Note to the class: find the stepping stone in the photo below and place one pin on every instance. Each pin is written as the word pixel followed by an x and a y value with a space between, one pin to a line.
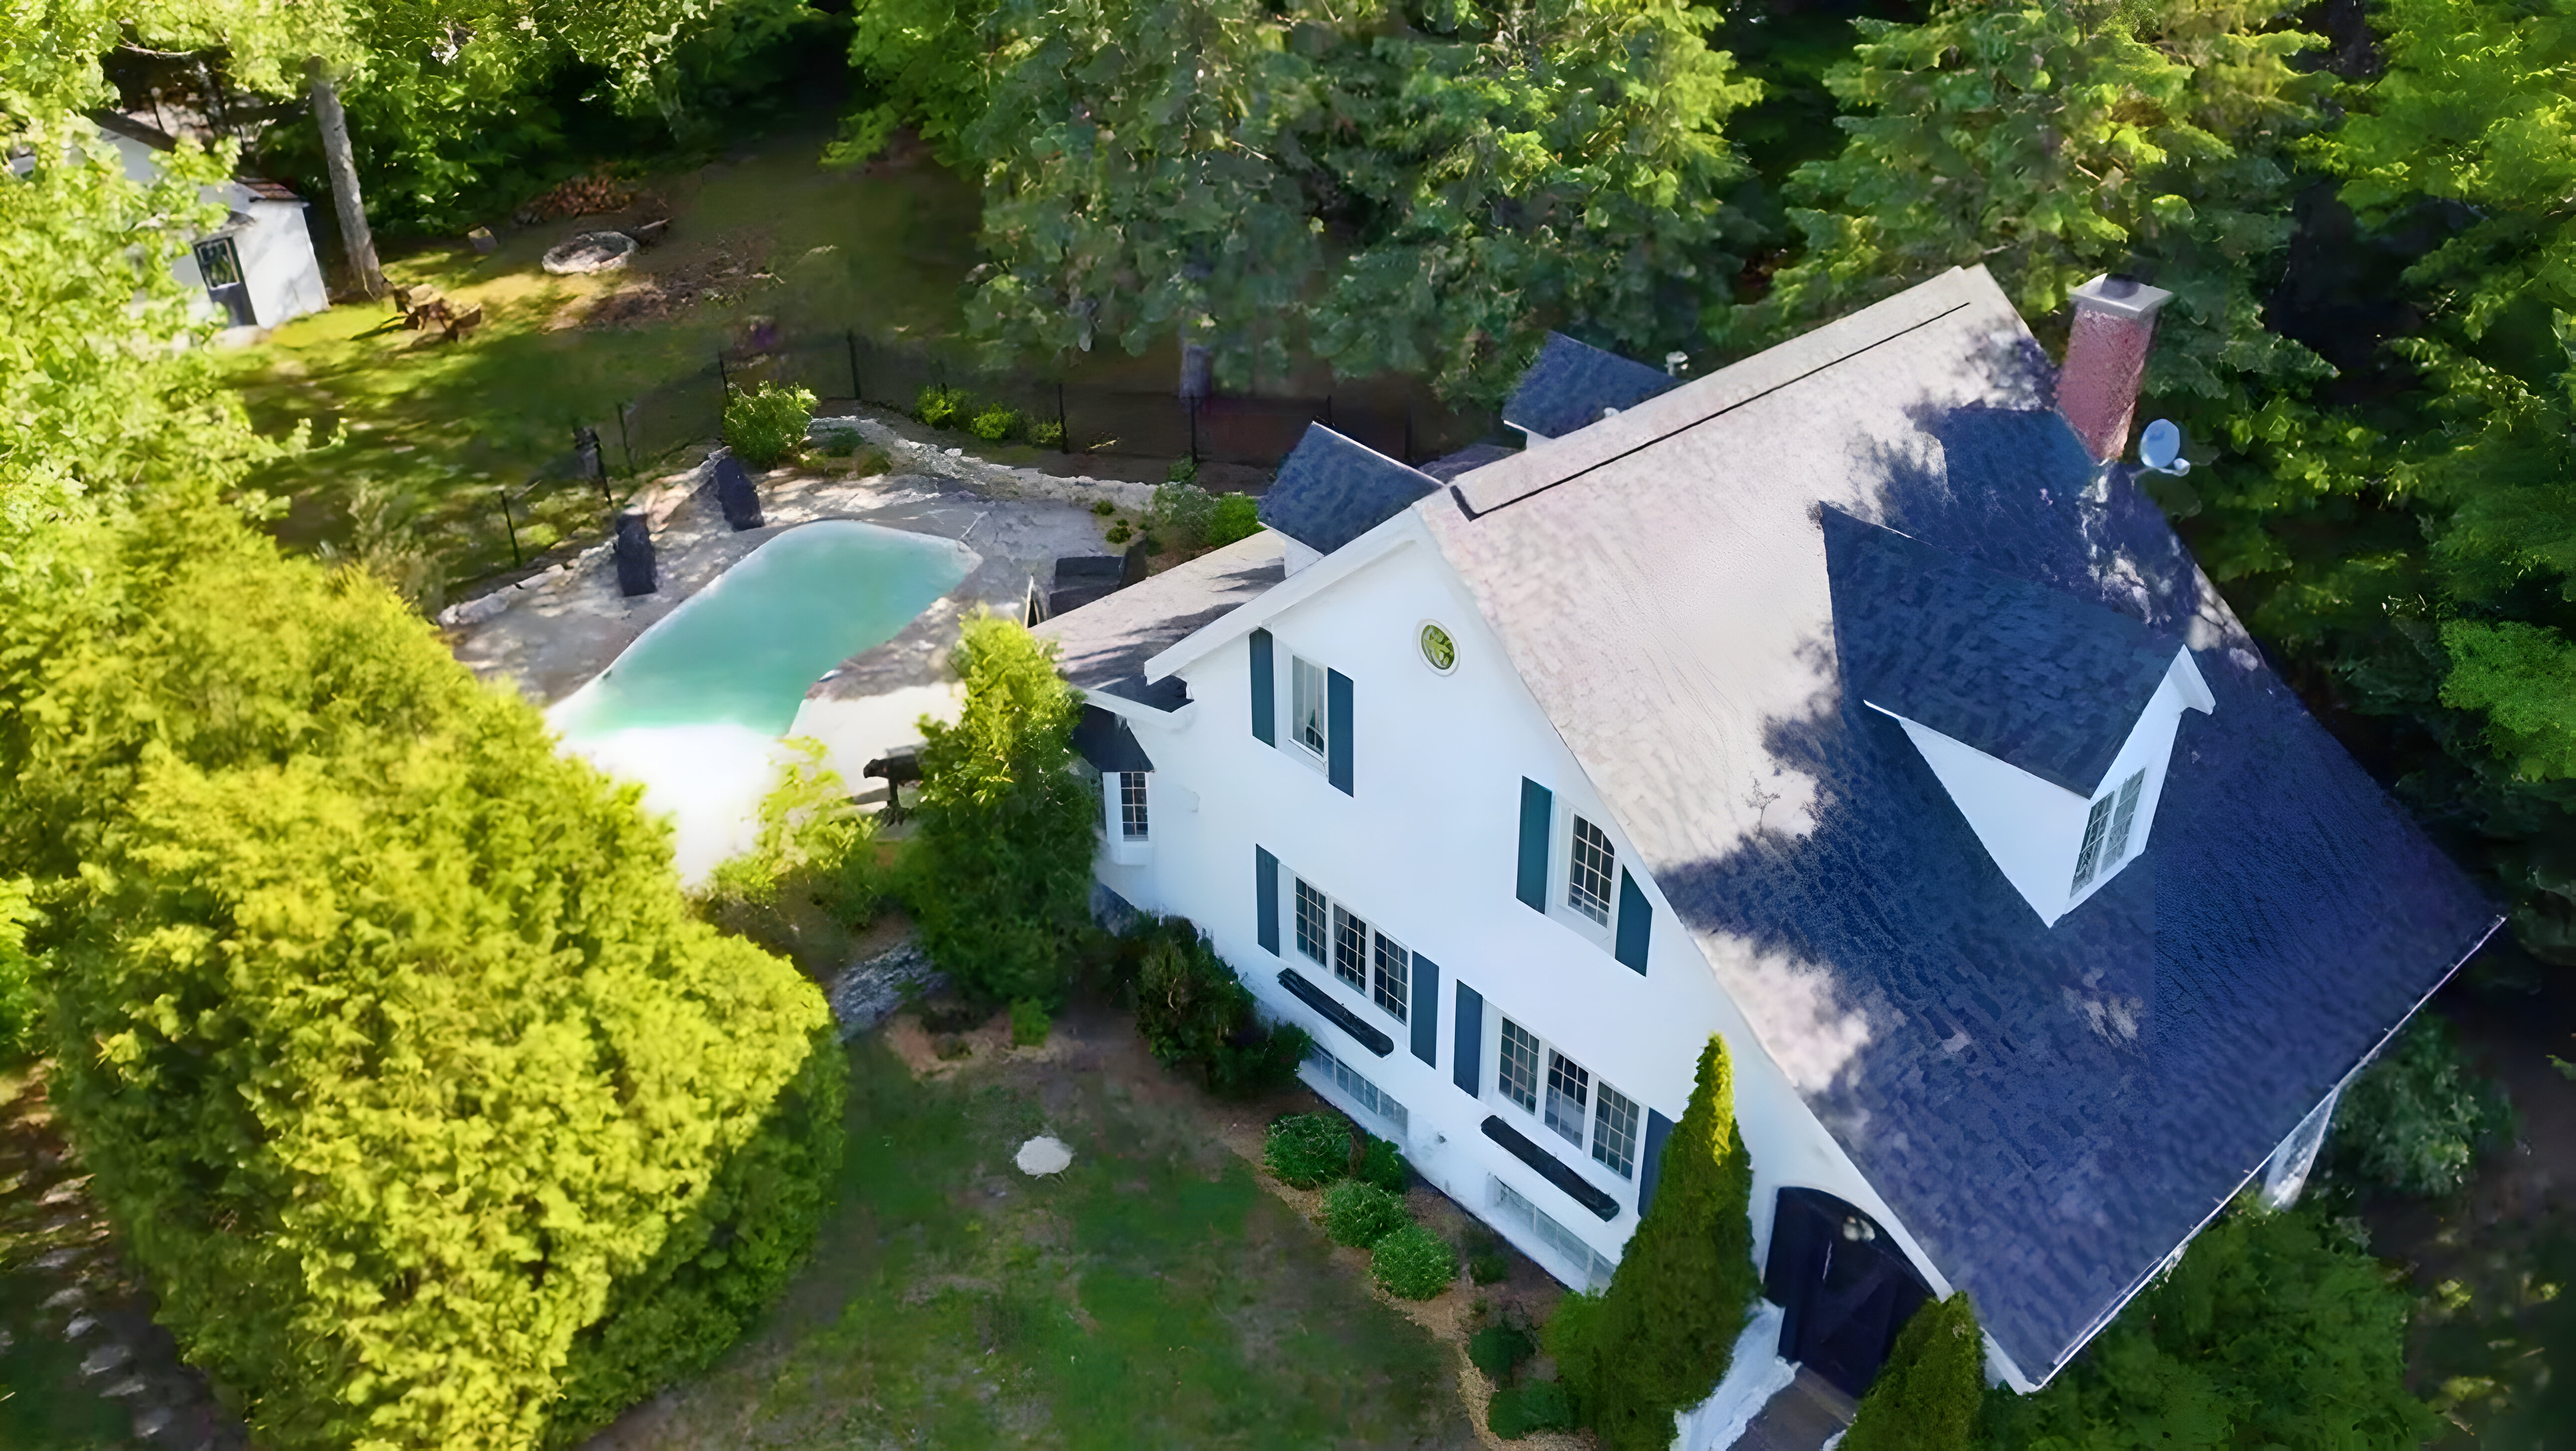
pixel 66 1298
pixel 151 1422
pixel 104 1359
pixel 65 1192
pixel 132 1385
pixel 81 1325
pixel 56 1259
pixel 1043 1155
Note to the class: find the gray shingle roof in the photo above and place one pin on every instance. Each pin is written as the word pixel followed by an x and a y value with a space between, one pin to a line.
pixel 2051 683
pixel 1104 645
pixel 2049 1111
pixel 1331 490
pixel 1569 383
pixel 1474 456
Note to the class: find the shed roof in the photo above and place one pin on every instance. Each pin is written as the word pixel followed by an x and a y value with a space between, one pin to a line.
pixel 1570 383
pixel 2029 675
pixel 1104 645
pixel 2049 1111
pixel 1331 490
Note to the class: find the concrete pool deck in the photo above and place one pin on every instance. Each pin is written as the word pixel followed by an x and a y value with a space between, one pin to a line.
pixel 552 633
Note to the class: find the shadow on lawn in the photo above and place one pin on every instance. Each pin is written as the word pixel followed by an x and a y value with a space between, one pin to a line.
pixel 1152 1295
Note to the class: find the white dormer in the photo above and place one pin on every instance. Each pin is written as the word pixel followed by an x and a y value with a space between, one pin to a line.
pixel 2058 847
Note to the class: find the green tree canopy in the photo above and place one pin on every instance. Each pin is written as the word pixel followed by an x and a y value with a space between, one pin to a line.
pixel 1001 869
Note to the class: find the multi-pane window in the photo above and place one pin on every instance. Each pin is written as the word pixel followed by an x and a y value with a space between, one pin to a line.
pixel 1614 1132
pixel 1569 1093
pixel 1588 881
pixel 1394 974
pixel 1350 949
pixel 1577 1107
pixel 2097 828
pixel 1519 1072
pixel 1314 923
pixel 1306 704
pixel 1366 960
pixel 2106 831
pixel 1132 820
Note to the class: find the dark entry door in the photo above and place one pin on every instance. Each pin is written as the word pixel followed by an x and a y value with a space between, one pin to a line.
pixel 1844 1285
pixel 219 262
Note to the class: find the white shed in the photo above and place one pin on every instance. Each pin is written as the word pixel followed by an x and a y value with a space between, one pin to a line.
pixel 256 269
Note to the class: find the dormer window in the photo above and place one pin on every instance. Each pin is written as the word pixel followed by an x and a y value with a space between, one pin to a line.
pixel 2106 831
pixel 2049 721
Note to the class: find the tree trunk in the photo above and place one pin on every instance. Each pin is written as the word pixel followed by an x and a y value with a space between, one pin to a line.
pixel 355 240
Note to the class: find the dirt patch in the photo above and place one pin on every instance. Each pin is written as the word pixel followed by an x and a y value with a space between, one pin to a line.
pixel 662 288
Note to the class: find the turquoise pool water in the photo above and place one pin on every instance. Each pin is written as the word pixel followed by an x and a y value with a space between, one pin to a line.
pixel 744 650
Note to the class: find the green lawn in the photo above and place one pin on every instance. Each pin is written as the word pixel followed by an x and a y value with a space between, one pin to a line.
pixel 418 428
pixel 1153 1295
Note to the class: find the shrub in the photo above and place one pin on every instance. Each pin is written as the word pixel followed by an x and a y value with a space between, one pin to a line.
pixel 1181 513
pixel 1381 1165
pixel 1309 1150
pixel 999 871
pixel 1103 508
pixel 17 992
pixel 1119 532
pixel 811 876
pixel 2415 1120
pixel 840 443
pixel 995 423
pixel 1413 1263
pixel 1359 1215
pixel 1927 1395
pixel 941 407
pixel 1236 516
pixel 1049 434
pixel 1498 1351
pixel 1029 1022
pixel 2275 1330
pixel 765 426
pixel 1197 1015
pixel 868 461
pixel 1658 1340
pixel 1488 1267
pixel 1540 1405
pixel 1182 471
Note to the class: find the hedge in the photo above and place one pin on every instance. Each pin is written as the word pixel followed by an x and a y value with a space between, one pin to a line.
pixel 1308 1150
pixel 1359 1215
pixel 1928 1393
pixel 1413 1263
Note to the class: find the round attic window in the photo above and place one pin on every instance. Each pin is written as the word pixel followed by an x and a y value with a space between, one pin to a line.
pixel 1438 650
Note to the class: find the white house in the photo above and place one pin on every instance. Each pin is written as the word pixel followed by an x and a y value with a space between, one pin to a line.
pixel 258 268
pixel 1840 703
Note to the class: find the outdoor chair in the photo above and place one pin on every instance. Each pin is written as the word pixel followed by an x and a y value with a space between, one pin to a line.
pixel 736 495
pixel 896 766
pixel 464 322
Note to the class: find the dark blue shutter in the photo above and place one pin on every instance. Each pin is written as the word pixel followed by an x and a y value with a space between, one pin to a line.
pixel 1538 807
pixel 1337 725
pixel 1469 1044
pixel 1265 908
pixel 1426 1010
pixel 1265 686
pixel 1658 1129
pixel 1636 923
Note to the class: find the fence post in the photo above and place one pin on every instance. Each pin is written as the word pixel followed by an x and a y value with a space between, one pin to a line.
pixel 851 336
pixel 624 445
pixel 1063 429
pixel 1328 410
pixel 1194 432
pixel 723 378
pixel 1408 429
pixel 510 524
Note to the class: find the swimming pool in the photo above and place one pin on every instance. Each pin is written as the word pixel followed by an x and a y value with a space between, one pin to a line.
pixel 694 708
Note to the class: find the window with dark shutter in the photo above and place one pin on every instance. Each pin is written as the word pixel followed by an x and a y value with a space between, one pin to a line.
pixel 1467 1049
pixel 1636 924
pixel 1265 686
pixel 1337 761
pixel 1265 900
pixel 1538 806
pixel 1426 1010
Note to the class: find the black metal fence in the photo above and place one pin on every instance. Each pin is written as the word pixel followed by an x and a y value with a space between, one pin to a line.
pixel 1255 430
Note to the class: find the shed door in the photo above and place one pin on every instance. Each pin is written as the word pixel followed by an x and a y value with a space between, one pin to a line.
pixel 1844 1285
pixel 219 262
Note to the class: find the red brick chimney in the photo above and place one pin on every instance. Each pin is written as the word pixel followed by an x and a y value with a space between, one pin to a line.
pixel 2106 354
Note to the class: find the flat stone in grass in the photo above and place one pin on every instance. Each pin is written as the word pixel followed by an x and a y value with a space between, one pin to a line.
pixel 1043 1155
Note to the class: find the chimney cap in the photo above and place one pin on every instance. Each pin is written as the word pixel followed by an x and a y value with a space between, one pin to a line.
pixel 2121 297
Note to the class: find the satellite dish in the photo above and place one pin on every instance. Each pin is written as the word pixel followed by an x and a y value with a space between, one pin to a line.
pixel 2160 448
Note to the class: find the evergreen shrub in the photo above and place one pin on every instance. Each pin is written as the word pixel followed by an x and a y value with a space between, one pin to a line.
pixel 1182 515
pixel 1049 434
pixel 765 426
pixel 1029 1022
pixel 1308 1150
pixel 1658 1339
pixel 1498 1351
pixel 1413 1263
pixel 1538 1405
pixel 840 443
pixel 1197 1015
pixel 1359 1215
pixel 998 872
pixel 1103 508
pixel 1927 1395
pixel 1382 1164
pixel 1235 516
pixel 811 877
pixel 1182 471
pixel 994 424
